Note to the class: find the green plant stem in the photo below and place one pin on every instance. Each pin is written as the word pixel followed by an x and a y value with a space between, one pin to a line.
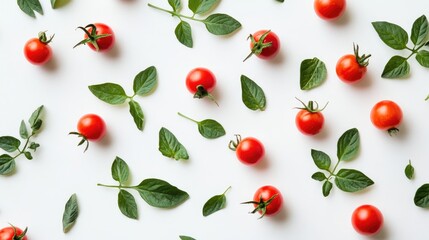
pixel 226 190
pixel 24 148
pixel 175 13
pixel 115 186
pixel 195 121
pixel 332 173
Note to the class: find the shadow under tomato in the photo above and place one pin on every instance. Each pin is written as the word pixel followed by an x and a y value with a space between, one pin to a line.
pixel 106 141
pixel 343 20
pixel 114 52
pixel 383 234
pixel 52 65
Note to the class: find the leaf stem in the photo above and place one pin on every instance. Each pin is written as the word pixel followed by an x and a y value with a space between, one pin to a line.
pixel 332 173
pixel 187 117
pixel 226 190
pixel 24 148
pixel 175 13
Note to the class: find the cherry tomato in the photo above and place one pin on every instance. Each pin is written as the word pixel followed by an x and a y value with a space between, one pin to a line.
pixel 386 115
pixel 201 82
pixel 309 119
pixel 351 68
pixel 329 9
pixel 367 220
pixel 37 51
pixel 264 44
pixel 248 150
pixel 90 127
pixel 267 200
pixel 98 36
pixel 12 233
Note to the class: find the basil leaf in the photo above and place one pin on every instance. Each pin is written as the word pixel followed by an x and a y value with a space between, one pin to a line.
pixel 221 24
pixel 137 114
pixel 186 238
pixel 120 170
pixel 201 6
pixel 397 67
pixel 252 95
pixel 214 204
pixel 321 159
pixel 7 164
pixel 420 30
pixel 127 204
pixel 28 155
pixel 423 58
pixel 170 147
pixel 34 120
pixel 326 188
pixel 391 34
pixel 34 146
pixel 29 6
pixel 111 93
pixel 421 199
pixel 409 171
pixel 23 132
pixel 318 176
pixel 312 73
pixel 71 212
pixel 145 81
pixel 350 180
pixel 184 34
pixel 211 129
pixel 159 193
pixel 9 143
pixel 348 145
pixel 175 4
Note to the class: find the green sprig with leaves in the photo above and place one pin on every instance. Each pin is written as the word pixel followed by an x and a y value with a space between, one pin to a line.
pixel 208 128
pixel 347 180
pixel 12 145
pixel 144 83
pixel 217 24
pixel 155 192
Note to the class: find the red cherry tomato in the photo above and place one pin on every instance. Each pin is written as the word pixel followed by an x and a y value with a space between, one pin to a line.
pixel 90 127
pixel 310 119
pixel 267 200
pixel 265 44
pixel 386 115
pixel 329 9
pixel 37 51
pixel 201 82
pixel 248 150
pixel 352 68
pixel 12 233
pixel 98 36
pixel 367 220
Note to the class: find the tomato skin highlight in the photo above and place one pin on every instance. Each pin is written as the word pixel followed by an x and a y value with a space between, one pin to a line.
pixel 329 9
pixel 250 151
pixel 266 193
pixel 309 123
pixel 386 115
pixel 8 233
pixel 367 220
pixel 37 52
pixel 349 70
pixel 92 127
pixel 200 77
pixel 267 52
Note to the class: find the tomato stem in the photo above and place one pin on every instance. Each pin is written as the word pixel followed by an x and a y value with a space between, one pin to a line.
pixel 362 60
pixel 393 131
pixel 311 107
pixel 44 39
pixel 258 46
pixel 233 144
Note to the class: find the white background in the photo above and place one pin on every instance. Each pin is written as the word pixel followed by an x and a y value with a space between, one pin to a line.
pixel 36 194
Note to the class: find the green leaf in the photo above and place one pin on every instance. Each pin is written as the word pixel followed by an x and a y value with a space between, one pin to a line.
pixel 161 194
pixel 23 132
pixel 252 95
pixel 170 147
pixel 145 81
pixel 421 199
pixel 175 4
pixel 312 73
pixel 326 188
pixel 184 34
pixel 210 129
pixel 33 146
pixel 321 159
pixel 71 212
pixel 318 176
pixel 350 180
pixel 127 204
pixel 9 143
pixel 186 238
pixel 137 114
pixel 28 155
pixel 409 171
pixel 423 58
pixel 120 170
pixel 7 164
pixel 111 93
pixel 348 145
pixel 30 6
pixel 396 67
pixel 214 204
pixel 391 34
pixel 221 24
pixel 34 120
pixel 420 30
pixel 201 6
